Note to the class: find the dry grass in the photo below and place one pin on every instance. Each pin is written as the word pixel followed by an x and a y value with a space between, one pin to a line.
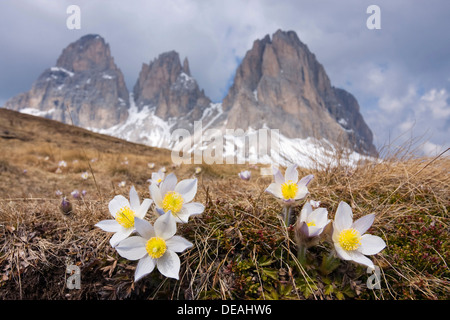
pixel 241 248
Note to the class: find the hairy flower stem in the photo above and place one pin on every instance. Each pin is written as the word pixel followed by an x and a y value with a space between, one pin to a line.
pixel 287 213
pixel 301 254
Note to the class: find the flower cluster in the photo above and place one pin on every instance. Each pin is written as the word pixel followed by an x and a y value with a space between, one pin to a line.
pixel 348 237
pixel 153 245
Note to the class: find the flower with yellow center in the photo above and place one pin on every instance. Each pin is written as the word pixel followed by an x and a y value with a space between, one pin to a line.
pixel 288 188
pixel 173 201
pixel 155 246
pixel 157 177
pixel 125 217
pixel 124 213
pixel 311 223
pixel 176 197
pixel 349 239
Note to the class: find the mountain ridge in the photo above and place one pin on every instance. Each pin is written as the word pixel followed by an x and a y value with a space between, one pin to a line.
pixel 278 85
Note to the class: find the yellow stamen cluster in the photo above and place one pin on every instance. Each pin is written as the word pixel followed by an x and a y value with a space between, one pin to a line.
pixel 156 247
pixel 311 224
pixel 349 239
pixel 173 201
pixel 125 217
pixel 289 190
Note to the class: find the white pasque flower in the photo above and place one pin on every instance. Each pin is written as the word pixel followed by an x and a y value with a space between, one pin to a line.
pixel 314 204
pixel 349 239
pixel 124 213
pixel 288 188
pixel 176 197
pixel 62 163
pixel 155 246
pixel 245 175
pixel 157 177
pixel 85 175
pixel 312 222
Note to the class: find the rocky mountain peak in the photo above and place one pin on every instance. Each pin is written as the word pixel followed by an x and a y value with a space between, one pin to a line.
pixel 281 85
pixel 168 86
pixel 186 68
pixel 85 82
pixel 90 52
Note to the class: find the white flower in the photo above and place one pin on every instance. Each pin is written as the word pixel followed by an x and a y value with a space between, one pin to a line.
pixel 151 165
pixel 124 213
pixel 349 239
pixel 312 222
pixel 314 204
pixel 245 175
pixel 155 246
pixel 157 177
pixel 85 175
pixel 62 163
pixel 288 188
pixel 122 184
pixel 176 197
pixel 198 170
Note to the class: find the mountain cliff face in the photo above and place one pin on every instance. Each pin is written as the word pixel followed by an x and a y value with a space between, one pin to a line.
pixel 85 81
pixel 168 86
pixel 279 85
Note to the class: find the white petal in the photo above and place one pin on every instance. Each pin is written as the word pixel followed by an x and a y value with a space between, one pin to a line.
pixel 278 176
pixel 132 248
pixel 275 190
pixel 182 216
pixel 371 244
pixel 364 223
pixel 320 217
pixel 291 173
pixel 169 264
pixel 187 188
pixel 360 258
pixel 343 254
pixel 155 193
pixel 144 267
pixel 344 217
pixel 109 225
pixel 134 199
pixel 113 207
pixel 314 231
pixel 144 228
pixel 306 210
pixel 169 184
pixel 305 180
pixel 143 208
pixel 165 226
pixel 117 203
pixel 302 192
pixel 178 244
pixel 120 235
pixel 194 208
pixel 335 233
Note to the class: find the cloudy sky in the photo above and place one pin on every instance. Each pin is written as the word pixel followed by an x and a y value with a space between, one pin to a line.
pixel 400 74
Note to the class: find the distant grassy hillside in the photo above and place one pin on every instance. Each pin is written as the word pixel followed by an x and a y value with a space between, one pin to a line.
pixel 241 248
